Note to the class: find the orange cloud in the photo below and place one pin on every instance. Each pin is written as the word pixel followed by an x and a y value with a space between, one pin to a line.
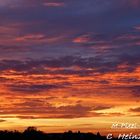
pixel 82 39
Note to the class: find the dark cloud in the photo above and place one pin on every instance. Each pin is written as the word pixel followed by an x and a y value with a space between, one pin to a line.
pixel 100 64
pixel 33 88
pixel 40 109
pixel 105 27
pixel 1 121
pixel 135 109
pixel 102 107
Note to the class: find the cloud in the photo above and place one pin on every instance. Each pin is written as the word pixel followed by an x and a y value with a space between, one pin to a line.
pixel 137 27
pixel 67 64
pixel 135 109
pixel 32 88
pixel 1 121
pixel 102 107
pixel 54 4
pixel 90 39
pixel 40 109
pixel 114 114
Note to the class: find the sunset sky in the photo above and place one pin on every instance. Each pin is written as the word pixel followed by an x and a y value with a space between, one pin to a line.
pixel 69 64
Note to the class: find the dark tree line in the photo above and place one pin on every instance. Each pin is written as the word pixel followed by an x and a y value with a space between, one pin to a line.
pixel 31 133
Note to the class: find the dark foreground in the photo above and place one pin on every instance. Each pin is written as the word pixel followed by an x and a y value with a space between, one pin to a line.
pixel 31 133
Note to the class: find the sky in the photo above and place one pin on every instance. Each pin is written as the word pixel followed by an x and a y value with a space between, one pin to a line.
pixel 69 64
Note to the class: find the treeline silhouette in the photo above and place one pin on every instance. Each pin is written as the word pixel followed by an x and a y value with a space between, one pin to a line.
pixel 31 133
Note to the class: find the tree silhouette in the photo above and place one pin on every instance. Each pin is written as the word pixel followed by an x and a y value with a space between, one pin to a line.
pixel 30 129
pixel 31 133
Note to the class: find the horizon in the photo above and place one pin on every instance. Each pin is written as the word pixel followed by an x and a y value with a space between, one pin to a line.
pixel 113 133
pixel 69 65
